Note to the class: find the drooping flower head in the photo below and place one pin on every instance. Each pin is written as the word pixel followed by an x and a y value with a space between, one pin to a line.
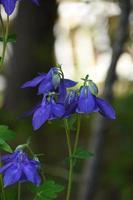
pixel 49 109
pixel 18 167
pixel 71 102
pixel 88 101
pixel 53 88
pixel 9 5
pixel 52 81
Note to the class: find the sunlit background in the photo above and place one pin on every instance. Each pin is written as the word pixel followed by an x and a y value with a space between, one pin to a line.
pixel 83 36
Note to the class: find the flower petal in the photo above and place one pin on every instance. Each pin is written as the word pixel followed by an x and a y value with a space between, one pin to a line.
pixel 40 116
pixel 31 174
pixel 58 110
pixel 105 108
pixel 36 2
pixel 5 167
pixel 45 86
pixel 69 83
pixel 34 82
pixel 62 93
pixel 86 102
pixel 9 6
pixel 12 175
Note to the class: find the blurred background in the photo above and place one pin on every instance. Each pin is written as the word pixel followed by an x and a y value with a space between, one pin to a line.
pixel 92 37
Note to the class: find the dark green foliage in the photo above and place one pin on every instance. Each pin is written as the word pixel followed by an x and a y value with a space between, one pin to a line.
pixel 48 190
pixel 82 154
pixel 11 38
pixel 4 146
pixel 5 135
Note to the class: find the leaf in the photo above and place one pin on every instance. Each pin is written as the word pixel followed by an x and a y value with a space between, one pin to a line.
pixel 1 39
pixel 71 122
pixel 12 38
pixel 48 190
pixel 4 146
pixel 82 154
pixel 6 134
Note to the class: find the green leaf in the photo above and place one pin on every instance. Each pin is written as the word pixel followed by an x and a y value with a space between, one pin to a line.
pixel 1 39
pixel 72 122
pixel 4 146
pixel 48 190
pixel 6 134
pixel 82 154
pixel 12 38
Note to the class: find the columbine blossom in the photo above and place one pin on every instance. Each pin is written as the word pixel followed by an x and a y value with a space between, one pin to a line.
pixel 48 109
pixel 53 86
pixel 9 5
pixel 71 102
pixel 89 103
pixel 18 168
pixel 52 81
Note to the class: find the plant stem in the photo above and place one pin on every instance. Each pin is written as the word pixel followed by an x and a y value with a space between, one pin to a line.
pixel 2 24
pixel 1 182
pixel 71 161
pixel 5 37
pixel 77 134
pixel 19 190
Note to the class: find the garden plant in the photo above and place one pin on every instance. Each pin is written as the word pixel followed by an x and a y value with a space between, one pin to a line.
pixel 62 99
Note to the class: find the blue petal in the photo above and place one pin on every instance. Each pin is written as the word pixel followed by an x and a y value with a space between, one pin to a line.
pixel 12 175
pixel 86 103
pixel 36 2
pixel 105 108
pixel 9 6
pixel 31 174
pixel 45 86
pixel 34 82
pixel 69 83
pixel 58 110
pixel 5 167
pixel 62 93
pixel 40 116
pixel 70 109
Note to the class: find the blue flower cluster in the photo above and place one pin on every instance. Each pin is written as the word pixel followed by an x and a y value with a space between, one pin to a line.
pixel 9 5
pixel 19 168
pixel 59 102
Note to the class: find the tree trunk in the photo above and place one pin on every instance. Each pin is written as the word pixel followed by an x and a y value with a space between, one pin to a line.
pixel 34 49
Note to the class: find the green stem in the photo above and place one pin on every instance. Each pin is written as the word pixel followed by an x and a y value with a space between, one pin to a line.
pixel 71 161
pixel 19 190
pixel 5 37
pixel 77 134
pixel 1 182
pixel 2 24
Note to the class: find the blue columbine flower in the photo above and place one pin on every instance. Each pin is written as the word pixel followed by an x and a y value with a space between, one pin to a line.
pixel 49 85
pixel 9 5
pixel 71 102
pixel 48 109
pixel 52 81
pixel 89 103
pixel 18 168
